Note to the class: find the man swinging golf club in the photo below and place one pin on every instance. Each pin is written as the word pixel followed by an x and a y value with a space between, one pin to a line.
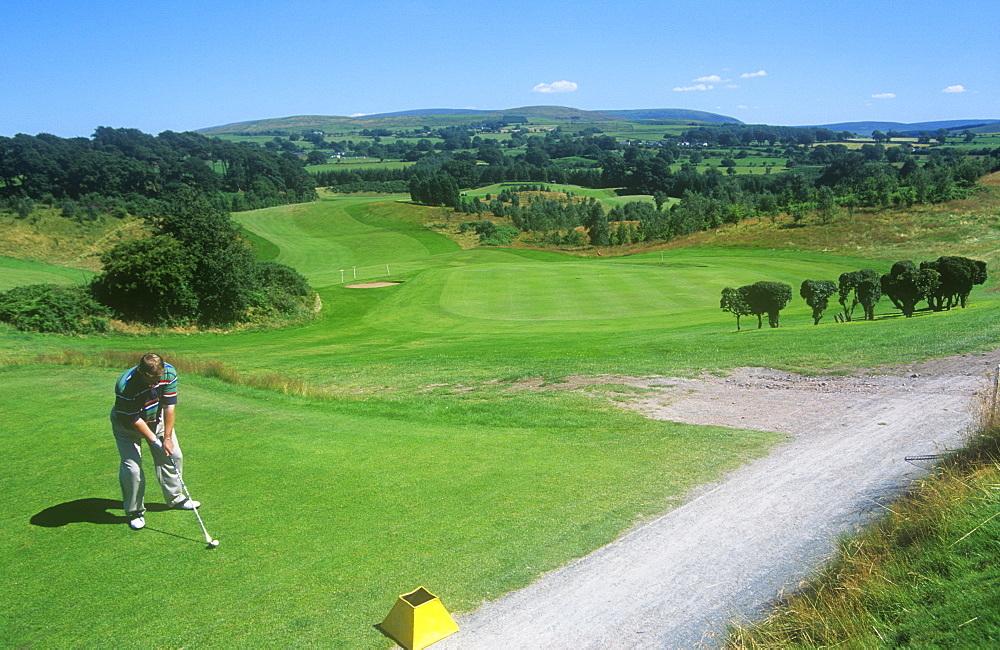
pixel 145 398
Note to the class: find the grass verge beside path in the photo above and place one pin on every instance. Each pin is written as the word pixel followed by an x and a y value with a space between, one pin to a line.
pixel 926 576
pixel 325 510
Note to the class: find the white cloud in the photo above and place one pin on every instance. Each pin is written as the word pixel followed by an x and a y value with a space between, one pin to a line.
pixel 958 88
pixel 683 89
pixel 884 96
pixel 732 86
pixel 555 87
pixel 712 78
pixel 748 75
pixel 359 114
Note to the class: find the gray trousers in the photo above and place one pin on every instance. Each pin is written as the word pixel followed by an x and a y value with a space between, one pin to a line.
pixel 131 476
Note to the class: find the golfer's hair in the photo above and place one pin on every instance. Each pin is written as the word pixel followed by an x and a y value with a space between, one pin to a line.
pixel 151 365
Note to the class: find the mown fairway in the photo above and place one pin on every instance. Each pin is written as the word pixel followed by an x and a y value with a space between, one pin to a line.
pixel 14 273
pixel 417 466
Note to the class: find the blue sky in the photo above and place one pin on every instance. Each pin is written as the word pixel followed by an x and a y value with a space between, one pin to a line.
pixel 68 66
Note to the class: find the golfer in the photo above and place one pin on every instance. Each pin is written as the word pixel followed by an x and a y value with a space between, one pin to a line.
pixel 145 397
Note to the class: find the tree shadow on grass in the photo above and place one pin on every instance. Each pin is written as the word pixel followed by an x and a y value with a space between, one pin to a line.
pixel 85 511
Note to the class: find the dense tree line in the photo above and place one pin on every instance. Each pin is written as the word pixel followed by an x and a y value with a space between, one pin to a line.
pixel 463 168
pixel 137 169
pixel 825 177
pixel 711 199
pixel 944 283
pixel 731 135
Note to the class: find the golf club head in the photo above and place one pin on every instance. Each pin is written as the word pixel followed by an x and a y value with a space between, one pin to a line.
pixel 212 544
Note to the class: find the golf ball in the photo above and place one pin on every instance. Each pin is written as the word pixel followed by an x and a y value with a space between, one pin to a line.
pixel 214 543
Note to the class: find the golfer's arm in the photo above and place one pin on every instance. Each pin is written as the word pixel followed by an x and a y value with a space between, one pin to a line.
pixel 144 430
pixel 168 421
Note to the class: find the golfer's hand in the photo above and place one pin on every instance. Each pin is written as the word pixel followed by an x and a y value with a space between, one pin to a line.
pixel 168 446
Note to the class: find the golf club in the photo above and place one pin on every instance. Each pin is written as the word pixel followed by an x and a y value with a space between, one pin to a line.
pixel 212 543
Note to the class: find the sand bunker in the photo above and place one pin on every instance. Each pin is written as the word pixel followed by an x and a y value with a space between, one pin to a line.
pixel 371 285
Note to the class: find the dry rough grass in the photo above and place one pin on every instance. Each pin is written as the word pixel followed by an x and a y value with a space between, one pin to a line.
pixel 59 241
pixel 839 606
pixel 968 227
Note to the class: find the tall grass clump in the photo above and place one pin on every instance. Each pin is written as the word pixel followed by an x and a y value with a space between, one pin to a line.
pixel 120 359
pixel 925 575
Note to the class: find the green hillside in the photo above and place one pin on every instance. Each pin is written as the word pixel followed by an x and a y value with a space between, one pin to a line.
pixel 435 119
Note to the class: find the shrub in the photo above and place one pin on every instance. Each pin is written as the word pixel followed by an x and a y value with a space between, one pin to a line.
pixel 490 233
pixel 53 308
pixel 282 291
pixel 499 236
pixel 149 281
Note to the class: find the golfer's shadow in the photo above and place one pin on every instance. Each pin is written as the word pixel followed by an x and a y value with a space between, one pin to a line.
pixel 86 511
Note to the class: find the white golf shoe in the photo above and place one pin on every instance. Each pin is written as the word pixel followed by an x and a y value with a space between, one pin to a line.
pixel 186 504
pixel 137 523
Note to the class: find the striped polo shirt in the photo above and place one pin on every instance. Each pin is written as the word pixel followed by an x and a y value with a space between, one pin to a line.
pixel 136 400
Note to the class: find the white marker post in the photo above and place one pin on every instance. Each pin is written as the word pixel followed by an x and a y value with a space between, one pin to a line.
pixel 341 276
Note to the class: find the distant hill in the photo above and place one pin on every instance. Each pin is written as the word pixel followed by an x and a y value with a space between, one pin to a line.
pixel 440 117
pixel 673 114
pixel 428 111
pixel 436 117
pixel 866 128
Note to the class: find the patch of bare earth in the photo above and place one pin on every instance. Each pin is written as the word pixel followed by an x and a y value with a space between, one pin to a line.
pixel 734 547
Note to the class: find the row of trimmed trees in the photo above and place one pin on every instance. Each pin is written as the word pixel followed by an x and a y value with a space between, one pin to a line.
pixel 944 283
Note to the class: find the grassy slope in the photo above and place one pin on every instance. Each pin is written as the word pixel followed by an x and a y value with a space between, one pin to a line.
pixel 420 468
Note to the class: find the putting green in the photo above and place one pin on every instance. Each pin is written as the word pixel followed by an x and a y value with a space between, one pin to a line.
pixel 522 295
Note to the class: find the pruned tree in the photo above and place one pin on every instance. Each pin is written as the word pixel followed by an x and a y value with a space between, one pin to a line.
pixel 767 298
pixel 817 295
pixel 869 291
pixel 906 285
pixel 849 296
pixel 735 302
pixel 958 276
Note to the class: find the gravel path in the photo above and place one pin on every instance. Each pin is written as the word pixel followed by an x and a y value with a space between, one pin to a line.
pixel 736 546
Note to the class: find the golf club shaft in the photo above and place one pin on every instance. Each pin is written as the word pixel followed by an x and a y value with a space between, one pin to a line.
pixel 208 538
pixel 180 479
